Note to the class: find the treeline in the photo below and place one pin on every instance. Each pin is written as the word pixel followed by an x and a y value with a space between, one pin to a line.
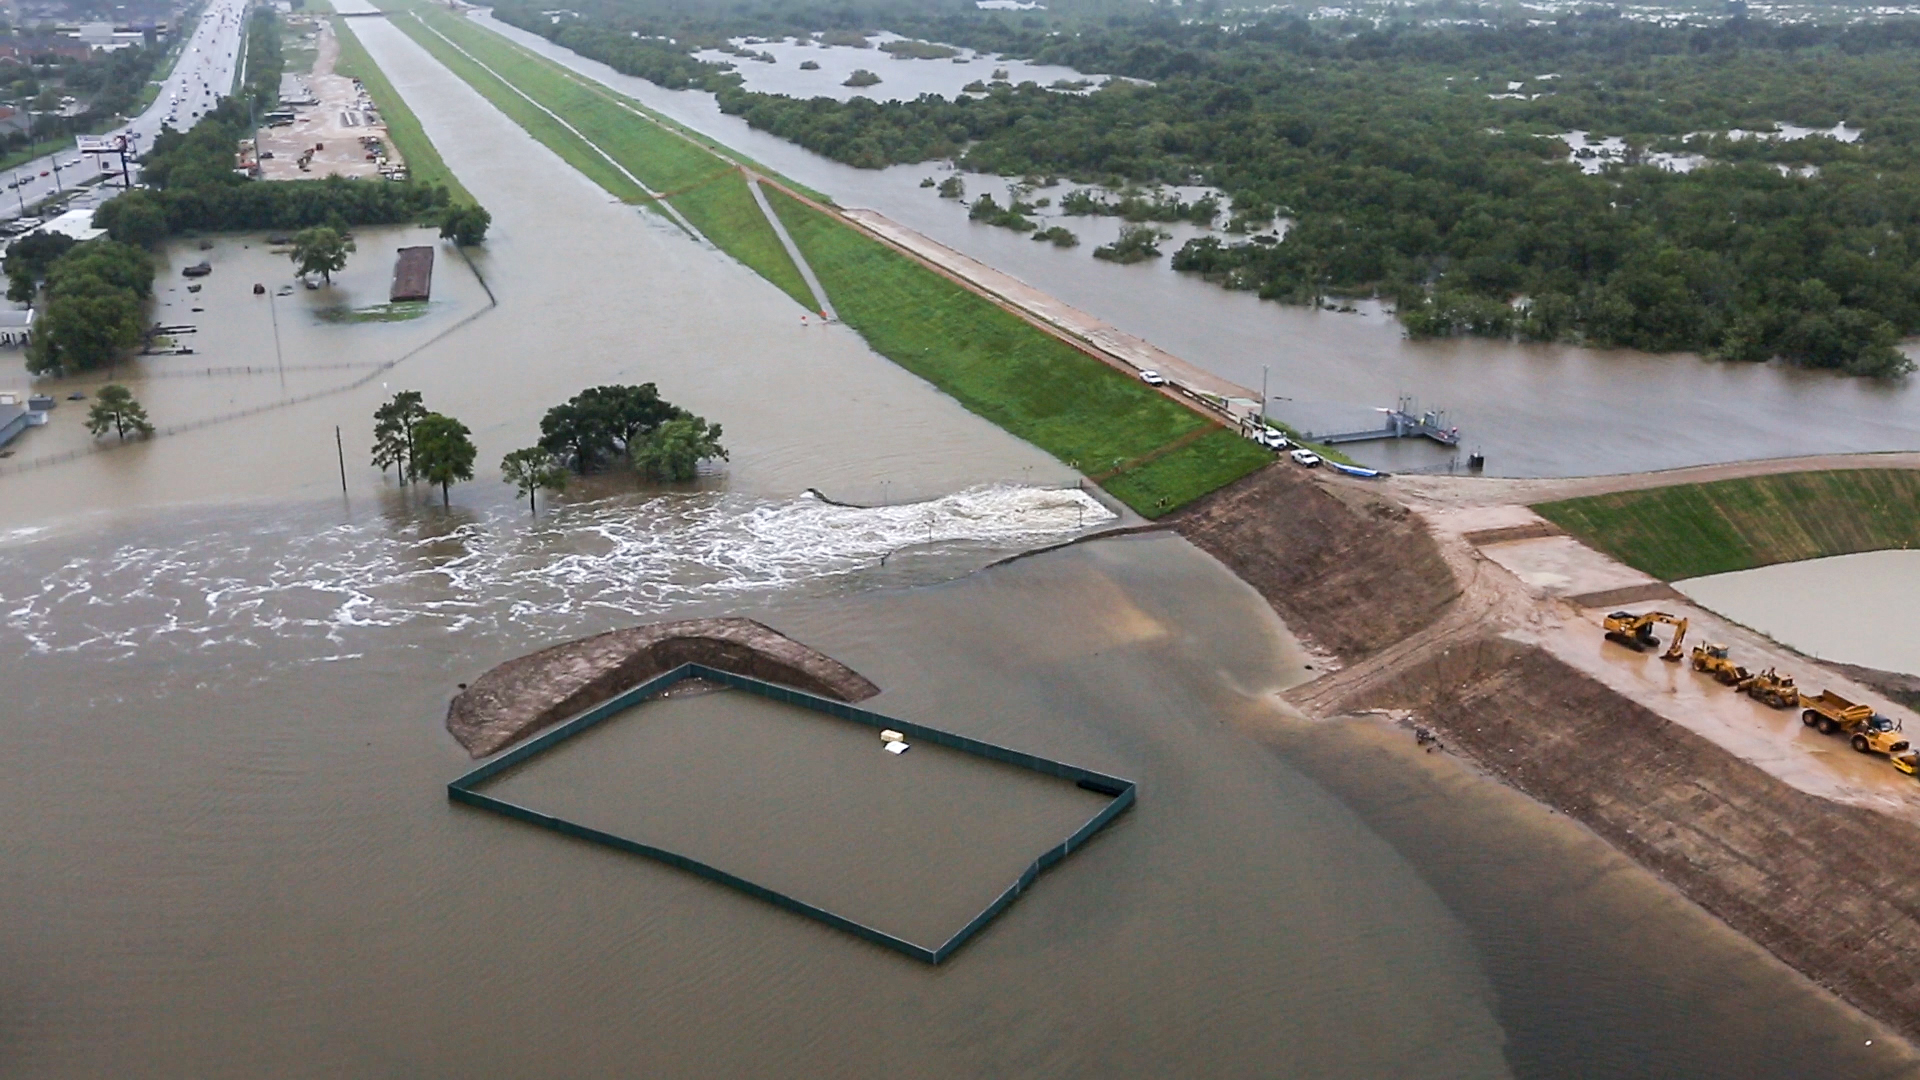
pixel 95 299
pixel 1419 162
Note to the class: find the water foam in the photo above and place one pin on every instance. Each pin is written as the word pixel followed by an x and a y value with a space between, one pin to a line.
pixel 280 581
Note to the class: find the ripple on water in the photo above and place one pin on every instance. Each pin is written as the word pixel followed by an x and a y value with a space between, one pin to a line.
pixel 229 587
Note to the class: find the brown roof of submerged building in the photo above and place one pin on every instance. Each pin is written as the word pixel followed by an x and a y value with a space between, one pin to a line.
pixel 412 274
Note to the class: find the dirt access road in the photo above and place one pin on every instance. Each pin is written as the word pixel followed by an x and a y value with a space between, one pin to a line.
pixel 343 117
pixel 1463 491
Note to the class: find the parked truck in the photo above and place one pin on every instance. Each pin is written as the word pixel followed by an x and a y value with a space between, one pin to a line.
pixel 1868 731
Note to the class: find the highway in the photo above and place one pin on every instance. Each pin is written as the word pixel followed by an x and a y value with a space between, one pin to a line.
pixel 201 76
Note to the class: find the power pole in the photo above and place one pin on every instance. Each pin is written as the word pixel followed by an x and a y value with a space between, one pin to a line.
pixel 1263 396
pixel 340 449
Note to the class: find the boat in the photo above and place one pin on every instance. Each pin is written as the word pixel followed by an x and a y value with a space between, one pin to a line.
pixel 1353 470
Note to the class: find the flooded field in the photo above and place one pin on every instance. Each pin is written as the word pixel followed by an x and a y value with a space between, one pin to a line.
pixel 230 852
pixel 1856 609
pixel 901 78
pixel 1534 410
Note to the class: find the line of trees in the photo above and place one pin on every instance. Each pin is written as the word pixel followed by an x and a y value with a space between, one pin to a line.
pixel 596 429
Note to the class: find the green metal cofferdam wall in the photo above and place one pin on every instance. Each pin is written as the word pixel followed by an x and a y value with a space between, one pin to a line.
pixel 1119 791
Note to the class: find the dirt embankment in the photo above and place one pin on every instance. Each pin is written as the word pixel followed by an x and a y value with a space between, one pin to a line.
pixel 1832 890
pixel 524 695
pixel 1348 569
pixel 1829 889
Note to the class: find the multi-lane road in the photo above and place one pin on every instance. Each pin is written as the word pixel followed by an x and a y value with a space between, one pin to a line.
pixel 202 75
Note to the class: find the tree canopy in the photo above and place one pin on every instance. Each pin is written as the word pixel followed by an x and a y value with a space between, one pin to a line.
pixel 675 449
pixel 95 308
pixel 532 469
pixel 320 250
pixel 597 425
pixel 465 224
pixel 114 409
pixel 443 452
pixel 393 434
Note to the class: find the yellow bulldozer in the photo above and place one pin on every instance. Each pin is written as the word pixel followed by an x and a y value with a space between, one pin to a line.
pixel 1771 687
pixel 1713 660
pixel 1636 632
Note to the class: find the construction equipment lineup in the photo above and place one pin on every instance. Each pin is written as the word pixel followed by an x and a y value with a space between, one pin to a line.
pixel 1867 731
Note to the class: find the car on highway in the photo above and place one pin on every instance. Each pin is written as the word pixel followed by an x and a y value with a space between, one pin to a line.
pixel 1305 457
pixel 1152 378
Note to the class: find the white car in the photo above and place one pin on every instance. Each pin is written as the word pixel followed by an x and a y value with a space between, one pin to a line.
pixel 1153 378
pixel 1305 457
pixel 1270 438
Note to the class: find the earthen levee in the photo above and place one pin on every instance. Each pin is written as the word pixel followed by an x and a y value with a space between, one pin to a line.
pixel 524 695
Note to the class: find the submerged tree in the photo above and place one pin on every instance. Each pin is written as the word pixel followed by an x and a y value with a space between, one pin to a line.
pixel 531 469
pixel 675 449
pixel 443 452
pixel 465 225
pixel 320 250
pixel 597 424
pixel 393 433
pixel 114 408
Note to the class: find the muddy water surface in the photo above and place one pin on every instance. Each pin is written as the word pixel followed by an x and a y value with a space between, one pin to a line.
pixel 1543 410
pixel 1857 609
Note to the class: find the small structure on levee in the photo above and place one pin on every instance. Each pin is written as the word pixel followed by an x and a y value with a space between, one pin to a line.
pixel 1401 423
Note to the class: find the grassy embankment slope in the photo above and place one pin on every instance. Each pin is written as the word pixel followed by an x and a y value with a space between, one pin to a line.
pixel 712 195
pixel 1692 530
pixel 423 161
pixel 1149 451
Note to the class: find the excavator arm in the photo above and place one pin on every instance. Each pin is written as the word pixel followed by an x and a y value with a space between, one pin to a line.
pixel 1635 631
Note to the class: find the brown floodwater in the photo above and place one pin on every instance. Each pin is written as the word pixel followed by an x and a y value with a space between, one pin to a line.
pixel 1534 410
pixel 229 850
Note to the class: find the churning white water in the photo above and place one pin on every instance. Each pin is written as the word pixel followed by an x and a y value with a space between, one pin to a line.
pixel 217 586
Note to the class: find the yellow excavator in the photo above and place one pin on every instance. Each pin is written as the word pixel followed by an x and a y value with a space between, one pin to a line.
pixel 1713 660
pixel 1636 632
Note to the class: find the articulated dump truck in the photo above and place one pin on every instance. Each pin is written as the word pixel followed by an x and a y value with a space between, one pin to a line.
pixel 1868 731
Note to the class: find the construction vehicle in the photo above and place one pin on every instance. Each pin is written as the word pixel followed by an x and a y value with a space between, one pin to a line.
pixel 1713 660
pixel 1636 632
pixel 1771 687
pixel 1907 761
pixel 1868 730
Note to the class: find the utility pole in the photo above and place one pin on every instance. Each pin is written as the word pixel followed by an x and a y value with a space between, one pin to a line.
pixel 1263 396
pixel 340 449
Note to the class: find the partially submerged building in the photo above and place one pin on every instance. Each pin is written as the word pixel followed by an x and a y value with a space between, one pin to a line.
pixel 412 274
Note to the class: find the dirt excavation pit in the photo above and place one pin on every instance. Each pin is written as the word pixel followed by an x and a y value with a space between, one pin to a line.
pixel 344 125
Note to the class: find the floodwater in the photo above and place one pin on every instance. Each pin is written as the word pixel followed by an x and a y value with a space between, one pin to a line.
pixel 230 853
pixel 1856 609
pixel 1533 410
pixel 813 806
pixel 901 78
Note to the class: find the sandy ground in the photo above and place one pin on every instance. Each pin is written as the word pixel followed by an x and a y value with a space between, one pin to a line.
pixel 1550 590
pixel 343 117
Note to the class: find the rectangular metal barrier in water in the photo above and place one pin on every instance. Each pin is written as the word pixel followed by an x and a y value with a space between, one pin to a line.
pixel 1119 791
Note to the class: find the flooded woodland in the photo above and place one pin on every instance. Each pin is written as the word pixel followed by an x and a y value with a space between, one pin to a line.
pixel 230 852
